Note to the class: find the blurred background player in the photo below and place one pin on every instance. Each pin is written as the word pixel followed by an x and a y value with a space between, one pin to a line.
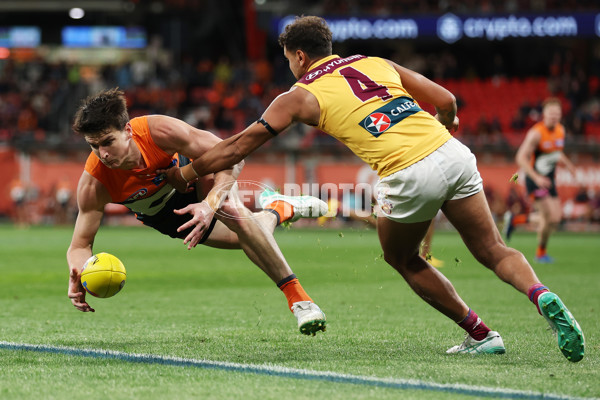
pixel 18 195
pixel 367 103
pixel 538 157
pixel 63 195
pixel 122 169
pixel 426 247
pixel 371 220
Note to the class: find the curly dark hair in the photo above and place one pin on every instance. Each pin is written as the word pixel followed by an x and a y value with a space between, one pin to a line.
pixel 102 113
pixel 309 34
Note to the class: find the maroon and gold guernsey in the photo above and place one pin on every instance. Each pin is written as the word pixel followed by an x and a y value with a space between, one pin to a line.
pixel 364 105
pixel 140 190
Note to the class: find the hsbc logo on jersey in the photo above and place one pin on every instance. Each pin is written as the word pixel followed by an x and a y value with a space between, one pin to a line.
pixel 389 115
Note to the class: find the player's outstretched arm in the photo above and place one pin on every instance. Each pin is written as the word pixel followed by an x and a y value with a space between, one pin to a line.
pixel 91 199
pixel 424 89
pixel 294 105
pixel 175 136
pixel 222 156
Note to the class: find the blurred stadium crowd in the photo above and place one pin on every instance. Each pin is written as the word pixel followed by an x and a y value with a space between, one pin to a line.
pixel 38 99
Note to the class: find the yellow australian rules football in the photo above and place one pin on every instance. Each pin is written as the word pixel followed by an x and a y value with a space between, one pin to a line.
pixel 103 275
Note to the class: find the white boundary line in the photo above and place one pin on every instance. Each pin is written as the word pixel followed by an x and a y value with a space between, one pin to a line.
pixel 294 373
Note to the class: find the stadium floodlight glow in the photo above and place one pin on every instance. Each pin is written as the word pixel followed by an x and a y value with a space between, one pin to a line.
pixel 76 13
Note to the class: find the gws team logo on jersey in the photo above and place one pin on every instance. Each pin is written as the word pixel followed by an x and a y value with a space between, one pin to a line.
pixel 558 143
pixel 389 115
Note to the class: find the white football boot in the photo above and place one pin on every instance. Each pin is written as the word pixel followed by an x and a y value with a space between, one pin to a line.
pixel 304 206
pixel 310 317
pixel 491 344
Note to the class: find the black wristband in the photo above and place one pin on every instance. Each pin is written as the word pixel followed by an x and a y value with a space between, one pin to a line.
pixel 266 125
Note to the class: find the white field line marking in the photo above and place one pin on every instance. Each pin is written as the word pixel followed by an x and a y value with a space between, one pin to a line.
pixel 295 373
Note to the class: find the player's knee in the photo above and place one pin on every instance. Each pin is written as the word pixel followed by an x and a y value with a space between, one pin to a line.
pixel 401 262
pixel 491 254
pixel 554 219
pixel 234 216
pixel 495 255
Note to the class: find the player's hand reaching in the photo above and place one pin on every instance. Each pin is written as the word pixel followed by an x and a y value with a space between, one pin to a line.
pixel 77 293
pixel 175 179
pixel 202 215
pixel 452 126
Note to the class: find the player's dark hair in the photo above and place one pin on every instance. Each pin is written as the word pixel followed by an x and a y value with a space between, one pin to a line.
pixel 102 113
pixel 309 34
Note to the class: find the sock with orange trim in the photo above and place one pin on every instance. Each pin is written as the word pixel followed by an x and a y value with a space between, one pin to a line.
pixel 293 290
pixel 541 251
pixel 520 219
pixel 282 210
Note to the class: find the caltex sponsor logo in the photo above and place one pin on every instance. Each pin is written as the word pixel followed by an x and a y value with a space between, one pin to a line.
pixel 377 123
pixel 388 115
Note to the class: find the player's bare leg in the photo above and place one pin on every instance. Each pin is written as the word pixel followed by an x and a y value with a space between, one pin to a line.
pixel 473 220
pixel 400 243
pixel 549 218
pixel 254 235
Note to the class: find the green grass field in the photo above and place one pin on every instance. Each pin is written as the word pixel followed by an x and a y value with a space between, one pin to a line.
pixel 214 305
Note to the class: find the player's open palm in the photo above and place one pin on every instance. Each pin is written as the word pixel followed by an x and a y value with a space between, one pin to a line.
pixel 202 215
pixel 77 292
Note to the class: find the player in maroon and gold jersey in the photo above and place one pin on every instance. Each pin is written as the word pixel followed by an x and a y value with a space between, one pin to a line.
pixel 371 105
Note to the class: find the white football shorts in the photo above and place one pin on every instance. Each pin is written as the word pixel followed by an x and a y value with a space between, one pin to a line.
pixel 417 192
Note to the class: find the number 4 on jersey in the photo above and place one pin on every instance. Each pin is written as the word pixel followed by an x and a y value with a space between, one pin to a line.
pixel 364 87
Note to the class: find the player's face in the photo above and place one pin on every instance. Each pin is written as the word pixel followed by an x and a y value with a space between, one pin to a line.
pixel 552 114
pixel 112 148
pixel 294 62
